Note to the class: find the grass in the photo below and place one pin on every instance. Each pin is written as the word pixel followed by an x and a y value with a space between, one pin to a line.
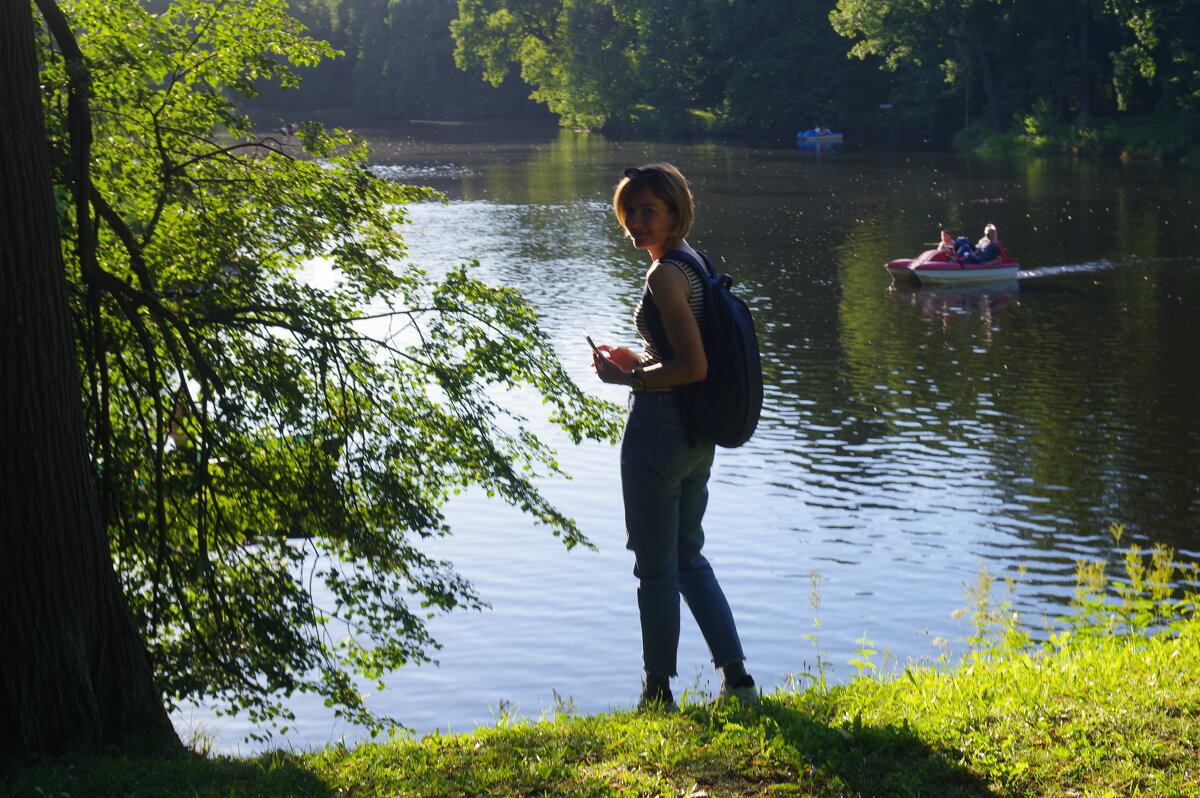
pixel 1130 137
pixel 1107 705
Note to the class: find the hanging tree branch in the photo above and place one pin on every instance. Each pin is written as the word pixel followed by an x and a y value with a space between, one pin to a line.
pixel 192 261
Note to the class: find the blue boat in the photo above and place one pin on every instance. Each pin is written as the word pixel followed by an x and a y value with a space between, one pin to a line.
pixel 818 134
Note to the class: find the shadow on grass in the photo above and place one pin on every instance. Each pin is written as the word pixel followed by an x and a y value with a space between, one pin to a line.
pixel 864 760
pixel 191 776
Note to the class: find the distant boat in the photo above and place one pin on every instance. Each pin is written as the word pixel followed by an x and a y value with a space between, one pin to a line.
pixel 934 267
pixel 818 134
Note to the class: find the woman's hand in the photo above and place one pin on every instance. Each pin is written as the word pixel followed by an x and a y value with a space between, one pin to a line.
pixel 624 357
pixel 610 364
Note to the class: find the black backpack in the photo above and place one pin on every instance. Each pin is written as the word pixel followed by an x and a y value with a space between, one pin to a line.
pixel 725 406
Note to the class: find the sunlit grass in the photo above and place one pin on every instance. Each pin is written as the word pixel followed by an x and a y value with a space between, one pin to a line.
pixel 1106 703
pixel 1041 132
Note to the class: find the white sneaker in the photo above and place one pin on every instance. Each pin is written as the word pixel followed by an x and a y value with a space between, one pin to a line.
pixel 747 694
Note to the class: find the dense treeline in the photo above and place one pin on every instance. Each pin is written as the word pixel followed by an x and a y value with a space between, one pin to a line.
pixel 767 65
pixel 397 63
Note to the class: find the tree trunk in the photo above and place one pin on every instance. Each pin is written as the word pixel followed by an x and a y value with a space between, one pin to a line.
pixel 74 675
pixel 976 25
pixel 990 95
pixel 1084 115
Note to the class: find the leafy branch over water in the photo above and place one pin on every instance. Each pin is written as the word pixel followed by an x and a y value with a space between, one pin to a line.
pixel 271 453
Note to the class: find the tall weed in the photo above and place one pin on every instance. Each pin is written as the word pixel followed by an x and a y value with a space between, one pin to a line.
pixel 1149 592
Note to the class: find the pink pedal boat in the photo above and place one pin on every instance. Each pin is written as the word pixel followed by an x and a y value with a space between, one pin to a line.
pixel 936 267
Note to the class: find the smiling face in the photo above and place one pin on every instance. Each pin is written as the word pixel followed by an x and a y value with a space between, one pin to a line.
pixel 649 221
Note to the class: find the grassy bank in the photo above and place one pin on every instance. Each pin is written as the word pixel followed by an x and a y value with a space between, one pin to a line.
pixel 1104 707
pixel 1138 137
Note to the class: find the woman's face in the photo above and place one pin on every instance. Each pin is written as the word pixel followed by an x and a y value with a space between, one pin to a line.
pixel 946 239
pixel 648 221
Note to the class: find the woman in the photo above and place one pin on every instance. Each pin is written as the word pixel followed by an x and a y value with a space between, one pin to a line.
pixel 947 244
pixel 986 250
pixel 664 479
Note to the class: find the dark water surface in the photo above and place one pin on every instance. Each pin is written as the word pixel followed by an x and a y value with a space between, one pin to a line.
pixel 909 439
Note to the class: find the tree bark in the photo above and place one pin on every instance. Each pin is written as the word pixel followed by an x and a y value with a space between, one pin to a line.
pixel 74 674
pixel 976 25
pixel 990 94
pixel 1084 115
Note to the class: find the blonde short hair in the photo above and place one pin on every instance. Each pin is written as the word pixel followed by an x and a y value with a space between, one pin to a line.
pixel 665 182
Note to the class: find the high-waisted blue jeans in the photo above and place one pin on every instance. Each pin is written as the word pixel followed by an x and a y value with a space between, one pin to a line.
pixel 664 482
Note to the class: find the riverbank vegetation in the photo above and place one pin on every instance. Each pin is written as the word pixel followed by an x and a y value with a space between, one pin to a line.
pixel 1059 76
pixel 1138 137
pixel 1105 704
pixel 248 407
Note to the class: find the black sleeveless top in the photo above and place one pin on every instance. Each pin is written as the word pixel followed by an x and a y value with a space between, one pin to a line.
pixel 646 317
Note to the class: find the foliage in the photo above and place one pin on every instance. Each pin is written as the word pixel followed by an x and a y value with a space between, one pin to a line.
pixel 279 404
pixel 1153 593
pixel 1112 712
pixel 768 66
pixel 397 62
pixel 643 65
pixel 1110 704
pixel 960 39
pixel 1163 45
pixel 1111 716
pixel 576 55
pixel 1076 56
pixel 782 63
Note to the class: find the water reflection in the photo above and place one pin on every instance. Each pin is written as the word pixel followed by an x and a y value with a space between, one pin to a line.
pixel 946 306
pixel 819 147
pixel 907 435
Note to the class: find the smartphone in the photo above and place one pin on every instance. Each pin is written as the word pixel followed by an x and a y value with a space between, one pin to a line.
pixel 592 344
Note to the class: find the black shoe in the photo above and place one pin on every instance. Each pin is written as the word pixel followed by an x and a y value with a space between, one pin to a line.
pixel 657 699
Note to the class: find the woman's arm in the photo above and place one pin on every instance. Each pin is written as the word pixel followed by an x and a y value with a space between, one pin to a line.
pixel 671 291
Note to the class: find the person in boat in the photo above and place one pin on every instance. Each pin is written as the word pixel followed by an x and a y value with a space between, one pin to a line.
pixel 986 250
pixel 947 244
pixel 664 476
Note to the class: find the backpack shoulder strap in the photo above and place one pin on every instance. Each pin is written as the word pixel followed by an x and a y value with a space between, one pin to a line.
pixel 705 269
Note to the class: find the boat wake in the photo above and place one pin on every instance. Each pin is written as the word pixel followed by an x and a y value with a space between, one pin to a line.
pixel 1104 264
pixel 1075 268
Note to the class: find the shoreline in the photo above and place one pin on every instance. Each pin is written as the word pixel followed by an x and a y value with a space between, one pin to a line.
pixel 1105 714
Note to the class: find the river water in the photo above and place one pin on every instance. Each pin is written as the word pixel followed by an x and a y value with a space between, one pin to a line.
pixel 910 438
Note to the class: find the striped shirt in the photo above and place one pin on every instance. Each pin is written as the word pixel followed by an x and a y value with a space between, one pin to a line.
pixel 656 346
